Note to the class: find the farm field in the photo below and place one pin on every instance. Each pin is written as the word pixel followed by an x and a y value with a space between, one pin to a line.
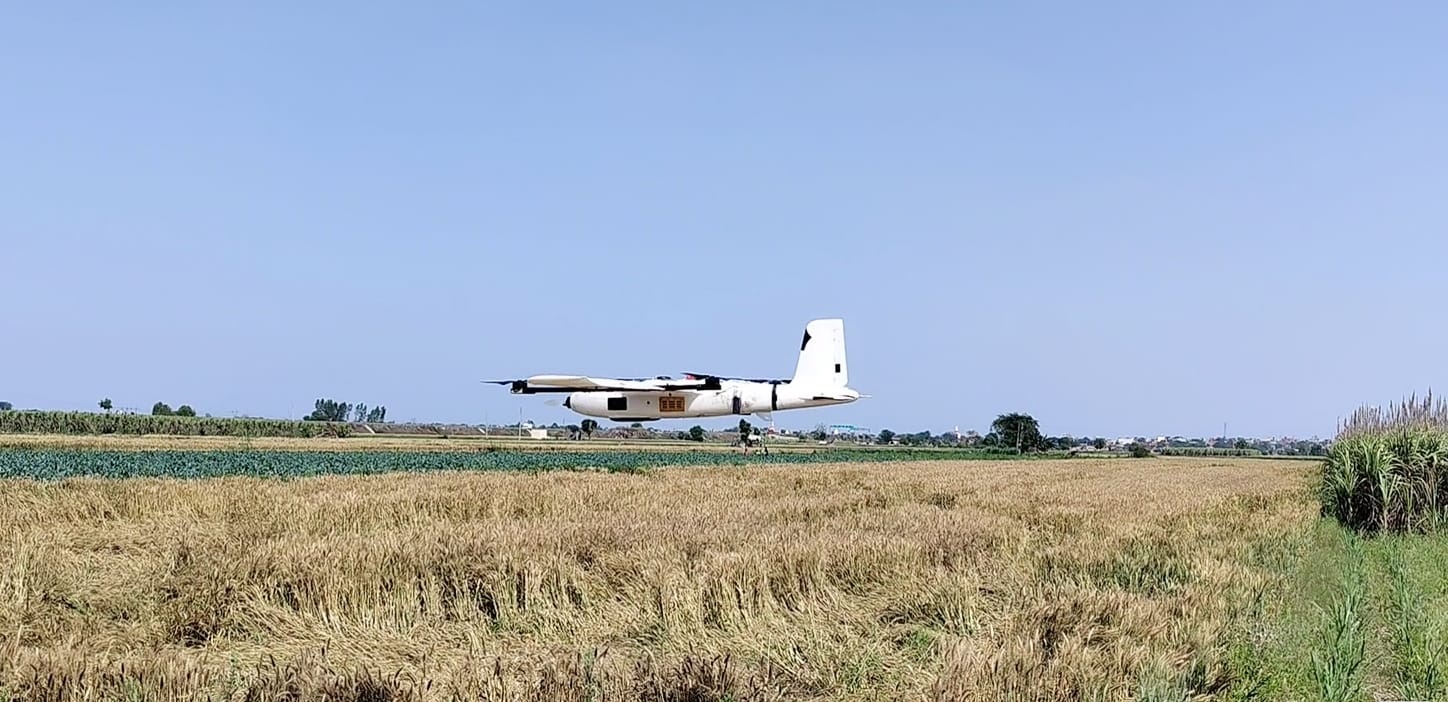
pixel 365 442
pixel 53 464
pixel 1073 579
pixel 65 461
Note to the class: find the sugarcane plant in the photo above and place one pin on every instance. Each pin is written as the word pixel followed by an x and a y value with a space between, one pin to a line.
pixel 1385 470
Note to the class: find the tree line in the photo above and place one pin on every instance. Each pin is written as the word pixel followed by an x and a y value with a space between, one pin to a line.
pixel 323 410
pixel 1016 431
pixel 326 410
pixel 161 409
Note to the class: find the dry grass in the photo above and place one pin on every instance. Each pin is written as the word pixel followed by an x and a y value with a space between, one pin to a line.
pixel 949 580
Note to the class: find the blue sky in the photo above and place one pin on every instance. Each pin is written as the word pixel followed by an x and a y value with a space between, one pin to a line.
pixel 1122 218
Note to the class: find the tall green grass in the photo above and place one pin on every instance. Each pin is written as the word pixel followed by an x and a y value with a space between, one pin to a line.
pixel 1387 471
pixel 1419 655
pixel 35 422
pixel 1339 654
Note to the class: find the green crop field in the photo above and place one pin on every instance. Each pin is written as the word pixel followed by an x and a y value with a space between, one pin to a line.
pixel 50 464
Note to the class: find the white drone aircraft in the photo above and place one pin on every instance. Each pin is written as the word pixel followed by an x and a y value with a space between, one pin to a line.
pixel 820 379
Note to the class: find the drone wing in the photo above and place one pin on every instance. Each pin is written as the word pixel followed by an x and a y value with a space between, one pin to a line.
pixel 583 383
pixel 716 378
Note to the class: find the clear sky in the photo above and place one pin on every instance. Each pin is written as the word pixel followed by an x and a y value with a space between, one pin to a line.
pixel 1122 218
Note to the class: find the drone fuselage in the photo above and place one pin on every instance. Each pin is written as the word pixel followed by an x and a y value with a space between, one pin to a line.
pixel 733 397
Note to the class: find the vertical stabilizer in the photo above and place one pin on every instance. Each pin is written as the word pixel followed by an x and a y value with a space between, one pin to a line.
pixel 822 355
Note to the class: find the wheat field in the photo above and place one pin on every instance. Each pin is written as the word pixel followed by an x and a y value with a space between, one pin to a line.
pixel 1030 580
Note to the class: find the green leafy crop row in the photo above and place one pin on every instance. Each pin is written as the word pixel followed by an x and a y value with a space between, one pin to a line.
pixel 49 464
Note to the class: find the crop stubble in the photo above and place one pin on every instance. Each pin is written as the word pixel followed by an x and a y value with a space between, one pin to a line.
pixel 951 580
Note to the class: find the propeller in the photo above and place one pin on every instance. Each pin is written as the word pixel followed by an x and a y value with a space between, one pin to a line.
pixel 516 386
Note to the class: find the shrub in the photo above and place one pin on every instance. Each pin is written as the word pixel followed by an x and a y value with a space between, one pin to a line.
pixel 1207 451
pixel 1139 450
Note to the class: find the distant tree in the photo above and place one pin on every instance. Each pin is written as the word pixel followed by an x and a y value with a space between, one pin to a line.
pixel 696 433
pixel 636 425
pixel 1018 430
pixel 745 429
pixel 1139 450
pixel 105 404
pixel 919 438
pixel 185 411
pixel 589 426
pixel 329 411
pixel 161 409
pixel 992 440
pixel 6 406
pixel 1240 444
pixel 1099 443
pixel 377 415
pixel 820 433
pixel 359 413
pixel 885 437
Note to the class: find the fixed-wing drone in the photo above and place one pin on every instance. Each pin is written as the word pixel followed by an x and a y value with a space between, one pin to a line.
pixel 820 379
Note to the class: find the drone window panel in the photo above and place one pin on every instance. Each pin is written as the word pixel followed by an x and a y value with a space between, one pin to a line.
pixel 618 404
pixel 671 404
